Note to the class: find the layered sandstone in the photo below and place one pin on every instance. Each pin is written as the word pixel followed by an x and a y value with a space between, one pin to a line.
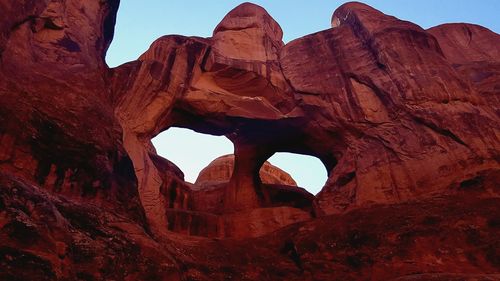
pixel 405 120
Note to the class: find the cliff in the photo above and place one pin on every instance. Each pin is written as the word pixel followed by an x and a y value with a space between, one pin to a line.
pixel 405 120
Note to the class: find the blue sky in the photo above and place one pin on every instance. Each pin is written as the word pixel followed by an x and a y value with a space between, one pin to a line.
pixel 139 23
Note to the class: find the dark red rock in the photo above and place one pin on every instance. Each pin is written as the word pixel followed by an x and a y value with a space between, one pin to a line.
pixel 474 51
pixel 405 120
pixel 463 43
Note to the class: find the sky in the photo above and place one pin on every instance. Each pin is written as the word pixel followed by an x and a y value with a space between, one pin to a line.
pixel 139 23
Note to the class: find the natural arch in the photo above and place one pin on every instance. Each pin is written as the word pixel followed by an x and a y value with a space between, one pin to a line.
pixel 193 84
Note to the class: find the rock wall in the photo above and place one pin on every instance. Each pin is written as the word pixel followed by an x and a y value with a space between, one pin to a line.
pixel 405 120
pixel 391 115
pixel 58 127
pixel 375 98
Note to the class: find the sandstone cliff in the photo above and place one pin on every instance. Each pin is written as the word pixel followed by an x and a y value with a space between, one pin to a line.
pixel 405 120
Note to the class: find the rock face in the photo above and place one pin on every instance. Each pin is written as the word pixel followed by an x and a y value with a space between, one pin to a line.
pixel 473 51
pixel 221 169
pixel 58 127
pixel 405 120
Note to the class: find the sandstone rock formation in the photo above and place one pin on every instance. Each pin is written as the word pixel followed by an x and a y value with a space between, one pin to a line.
pixel 221 169
pixel 405 120
pixel 471 51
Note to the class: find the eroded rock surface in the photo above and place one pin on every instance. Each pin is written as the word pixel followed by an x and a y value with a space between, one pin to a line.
pixel 473 51
pixel 405 120
pixel 221 169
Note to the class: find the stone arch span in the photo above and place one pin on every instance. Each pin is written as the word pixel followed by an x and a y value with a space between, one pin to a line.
pixel 207 86
pixel 338 95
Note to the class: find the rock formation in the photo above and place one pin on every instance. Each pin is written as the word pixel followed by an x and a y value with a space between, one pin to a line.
pixel 470 49
pixel 221 169
pixel 405 120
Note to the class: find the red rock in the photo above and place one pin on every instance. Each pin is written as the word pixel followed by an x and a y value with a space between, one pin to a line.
pixel 405 120
pixel 397 124
pixel 463 43
pixel 221 169
pixel 474 51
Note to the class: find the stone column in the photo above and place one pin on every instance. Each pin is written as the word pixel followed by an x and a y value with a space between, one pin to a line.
pixel 244 189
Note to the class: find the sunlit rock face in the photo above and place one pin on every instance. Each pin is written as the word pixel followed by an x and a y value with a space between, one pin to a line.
pixel 473 51
pixel 405 120
pixel 221 169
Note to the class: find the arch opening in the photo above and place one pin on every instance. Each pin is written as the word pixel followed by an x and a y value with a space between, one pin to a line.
pixel 307 171
pixel 189 150
pixel 192 152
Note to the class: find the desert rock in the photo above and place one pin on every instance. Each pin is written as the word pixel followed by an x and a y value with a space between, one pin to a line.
pixel 221 169
pixel 405 120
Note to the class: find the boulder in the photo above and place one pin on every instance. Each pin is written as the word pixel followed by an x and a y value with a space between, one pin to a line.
pixel 221 169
